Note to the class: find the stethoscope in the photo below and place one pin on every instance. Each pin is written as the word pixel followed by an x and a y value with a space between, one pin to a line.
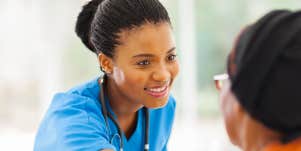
pixel 108 114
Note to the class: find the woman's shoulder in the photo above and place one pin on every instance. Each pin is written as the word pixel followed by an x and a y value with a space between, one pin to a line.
pixel 87 89
pixel 78 106
pixel 78 95
pixel 74 120
pixel 82 99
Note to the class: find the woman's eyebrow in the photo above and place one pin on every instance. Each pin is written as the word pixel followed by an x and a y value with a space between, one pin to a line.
pixel 151 55
pixel 171 50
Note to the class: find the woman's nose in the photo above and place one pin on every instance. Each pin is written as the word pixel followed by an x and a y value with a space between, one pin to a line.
pixel 161 74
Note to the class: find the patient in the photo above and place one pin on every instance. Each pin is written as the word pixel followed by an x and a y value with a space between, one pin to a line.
pixel 261 100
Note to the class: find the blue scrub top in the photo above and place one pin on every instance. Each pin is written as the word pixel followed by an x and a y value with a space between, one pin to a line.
pixel 74 122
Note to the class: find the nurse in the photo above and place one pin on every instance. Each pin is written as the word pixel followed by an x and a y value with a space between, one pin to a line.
pixel 129 108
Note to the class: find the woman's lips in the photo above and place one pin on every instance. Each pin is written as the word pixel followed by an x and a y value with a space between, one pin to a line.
pixel 158 92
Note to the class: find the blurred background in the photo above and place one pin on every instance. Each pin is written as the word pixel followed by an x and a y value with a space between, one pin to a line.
pixel 41 55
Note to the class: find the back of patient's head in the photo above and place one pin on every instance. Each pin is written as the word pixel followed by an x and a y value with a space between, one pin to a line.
pixel 265 71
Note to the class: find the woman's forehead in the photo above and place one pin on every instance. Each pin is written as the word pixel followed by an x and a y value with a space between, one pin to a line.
pixel 147 33
pixel 149 38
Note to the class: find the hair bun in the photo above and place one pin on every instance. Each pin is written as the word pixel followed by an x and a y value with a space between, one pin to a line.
pixel 84 20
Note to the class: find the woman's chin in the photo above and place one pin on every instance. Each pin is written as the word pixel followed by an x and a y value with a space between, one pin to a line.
pixel 155 103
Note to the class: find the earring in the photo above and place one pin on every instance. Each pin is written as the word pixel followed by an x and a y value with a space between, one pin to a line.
pixel 104 70
pixel 107 72
pixel 101 69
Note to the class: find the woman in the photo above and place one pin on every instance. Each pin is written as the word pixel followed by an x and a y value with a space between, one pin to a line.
pixel 130 108
pixel 261 100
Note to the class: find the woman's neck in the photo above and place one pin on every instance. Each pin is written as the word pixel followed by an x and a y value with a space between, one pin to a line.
pixel 119 102
pixel 123 107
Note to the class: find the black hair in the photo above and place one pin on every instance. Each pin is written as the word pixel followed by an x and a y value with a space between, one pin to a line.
pixel 100 21
pixel 267 72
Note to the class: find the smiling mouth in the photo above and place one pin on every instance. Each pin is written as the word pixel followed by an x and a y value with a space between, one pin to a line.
pixel 158 92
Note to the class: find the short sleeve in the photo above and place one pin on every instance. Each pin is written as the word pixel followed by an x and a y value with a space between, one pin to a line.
pixel 73 123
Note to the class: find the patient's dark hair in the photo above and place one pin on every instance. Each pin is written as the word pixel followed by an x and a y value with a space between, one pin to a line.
pixel 265 71
pixel 100 21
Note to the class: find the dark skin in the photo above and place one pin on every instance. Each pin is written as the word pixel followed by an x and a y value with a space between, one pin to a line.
pixel 149 52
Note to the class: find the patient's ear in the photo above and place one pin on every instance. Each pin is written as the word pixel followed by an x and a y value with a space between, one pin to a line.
pixel 237 108
pixel 229 103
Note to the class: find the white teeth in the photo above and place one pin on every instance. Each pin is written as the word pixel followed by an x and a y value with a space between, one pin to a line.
pixel 157 89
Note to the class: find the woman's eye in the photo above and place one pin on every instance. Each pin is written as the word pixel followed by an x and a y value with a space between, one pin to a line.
pixel 172 57
pixel 143 63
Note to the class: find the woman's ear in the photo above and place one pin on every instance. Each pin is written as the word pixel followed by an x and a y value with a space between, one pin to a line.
pixel 106 63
